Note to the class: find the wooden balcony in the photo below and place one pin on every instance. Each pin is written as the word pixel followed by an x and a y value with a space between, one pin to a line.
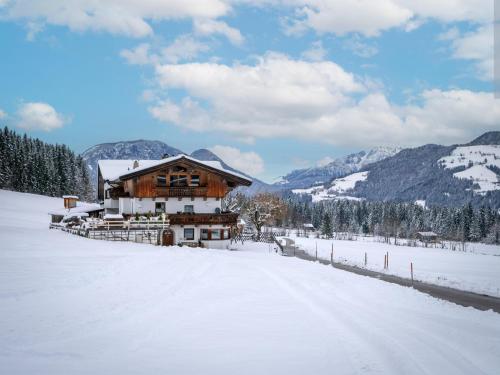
pixel 184 191
pixel 205 219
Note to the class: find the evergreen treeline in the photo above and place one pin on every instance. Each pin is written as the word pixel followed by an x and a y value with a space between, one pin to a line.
pixel 32 166
pixel 391 219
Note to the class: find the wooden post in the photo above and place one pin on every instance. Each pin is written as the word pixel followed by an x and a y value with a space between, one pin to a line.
pixel 387 260
pixel 411 269
pixel 366 259
pixel 331 257
pixel 316 250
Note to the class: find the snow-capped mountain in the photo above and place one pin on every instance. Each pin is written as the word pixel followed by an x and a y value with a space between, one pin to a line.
pixel 430 174
pixel 140 149
pixel 315 176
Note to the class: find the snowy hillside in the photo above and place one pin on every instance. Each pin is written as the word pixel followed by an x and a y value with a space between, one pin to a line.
pixel 72 305
pixel 338 189
pixel 481 163
pixel 305 178
pixel 434 174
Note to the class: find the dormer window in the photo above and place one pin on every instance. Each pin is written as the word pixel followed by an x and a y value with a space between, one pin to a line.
pixel 161 181
pixel 178 180
pixel 195 180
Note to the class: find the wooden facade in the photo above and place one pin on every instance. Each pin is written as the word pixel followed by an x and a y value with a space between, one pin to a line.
pixel 229 219
pixel 180 179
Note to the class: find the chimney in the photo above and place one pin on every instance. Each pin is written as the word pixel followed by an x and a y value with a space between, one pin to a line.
pixel 136 164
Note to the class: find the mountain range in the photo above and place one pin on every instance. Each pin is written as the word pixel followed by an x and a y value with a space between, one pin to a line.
pixel 435 174
pixel 430 174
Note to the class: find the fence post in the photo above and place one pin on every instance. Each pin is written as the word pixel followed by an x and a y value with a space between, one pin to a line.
pixel 366 259
pixel 411 269
pixel 387 260
pixel 331 256
pixel 316 250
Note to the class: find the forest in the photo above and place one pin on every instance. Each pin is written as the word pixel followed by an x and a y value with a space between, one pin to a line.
pixel 385 219
pixel 32 166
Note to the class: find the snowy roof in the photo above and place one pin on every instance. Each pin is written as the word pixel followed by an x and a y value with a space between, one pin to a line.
pixel 115 169
pixel 113 217
pixel 81 207
pixel 308 225
pixel 70 196
pixel 427 234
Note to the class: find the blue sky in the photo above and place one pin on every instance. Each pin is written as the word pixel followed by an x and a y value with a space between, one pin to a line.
pixel 270 88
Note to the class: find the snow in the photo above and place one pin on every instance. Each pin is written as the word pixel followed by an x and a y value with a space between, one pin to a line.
pixel 70 305
pixel 420 202
pixel 113 217
pixel 484 177
pixel 81 207
pixel 341 185
pixel 113 169
pixel 337 189
pixel 476 159
pixel 476 270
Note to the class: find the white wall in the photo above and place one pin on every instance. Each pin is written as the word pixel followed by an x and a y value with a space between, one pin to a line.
pixel 215 244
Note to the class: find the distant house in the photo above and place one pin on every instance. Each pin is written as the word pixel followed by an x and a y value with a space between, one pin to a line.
pixel 427 236
pixel 187 191
pixel 308 227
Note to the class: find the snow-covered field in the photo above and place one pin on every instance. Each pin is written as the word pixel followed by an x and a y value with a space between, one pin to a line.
pixel 476 270
pixel 70 305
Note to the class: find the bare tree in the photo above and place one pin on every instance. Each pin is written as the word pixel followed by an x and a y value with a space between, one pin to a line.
pixel 264 209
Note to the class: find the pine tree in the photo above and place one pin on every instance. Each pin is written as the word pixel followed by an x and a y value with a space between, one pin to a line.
pixel 326 226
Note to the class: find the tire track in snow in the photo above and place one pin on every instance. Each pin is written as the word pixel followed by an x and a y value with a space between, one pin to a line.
pixel 333 314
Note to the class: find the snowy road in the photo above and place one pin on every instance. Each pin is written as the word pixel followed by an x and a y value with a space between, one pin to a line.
pixel 70 305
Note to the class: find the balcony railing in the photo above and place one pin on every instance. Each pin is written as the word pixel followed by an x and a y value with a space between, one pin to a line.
pixel 207 219
pixel 184 191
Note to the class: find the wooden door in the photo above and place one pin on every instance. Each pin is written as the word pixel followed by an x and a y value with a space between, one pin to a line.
pixel 168 238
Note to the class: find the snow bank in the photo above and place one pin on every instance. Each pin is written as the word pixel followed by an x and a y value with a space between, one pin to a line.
pixel 70 305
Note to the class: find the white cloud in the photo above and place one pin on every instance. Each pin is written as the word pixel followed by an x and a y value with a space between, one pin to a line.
pixel 3 114
pixel 476 46
pixel 370 18
pixel 140 55
pixel 316 53
pixel 207 27
pixel 183 48
pixel 325 161
pixel 360 48
pixel 125 17
pixel 250 162
pixel 319 101
pixel 39 116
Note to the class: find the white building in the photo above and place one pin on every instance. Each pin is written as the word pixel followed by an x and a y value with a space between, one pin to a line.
pixel 188 191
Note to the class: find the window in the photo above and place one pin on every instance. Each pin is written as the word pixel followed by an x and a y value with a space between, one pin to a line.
pixel 204 234
pixel 195 180
pixel 215 234
pixel 161 181
pixel 159 207
pixel 189 208
pixel 189 233
pixel 226 234
pixel 178 180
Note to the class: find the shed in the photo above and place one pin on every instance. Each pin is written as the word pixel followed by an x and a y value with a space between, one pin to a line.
pixel 427 236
